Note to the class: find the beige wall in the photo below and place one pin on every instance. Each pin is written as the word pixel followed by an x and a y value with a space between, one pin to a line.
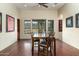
pixel 70 35
pixel 38 14
pixel 7 38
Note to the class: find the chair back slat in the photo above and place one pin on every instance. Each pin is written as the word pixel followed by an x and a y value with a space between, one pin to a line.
pixel 51 38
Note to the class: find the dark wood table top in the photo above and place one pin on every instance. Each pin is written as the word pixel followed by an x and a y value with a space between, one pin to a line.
pixel 40 35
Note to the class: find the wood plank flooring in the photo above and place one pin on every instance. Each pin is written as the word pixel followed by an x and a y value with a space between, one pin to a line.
pixel 23 48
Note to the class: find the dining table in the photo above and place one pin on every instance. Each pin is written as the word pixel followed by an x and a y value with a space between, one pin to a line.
pixel 40 36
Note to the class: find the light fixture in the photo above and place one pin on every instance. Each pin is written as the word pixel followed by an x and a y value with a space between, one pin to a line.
pixel 39 6
pixel 61 16
pixel 25 5
pixel 54 4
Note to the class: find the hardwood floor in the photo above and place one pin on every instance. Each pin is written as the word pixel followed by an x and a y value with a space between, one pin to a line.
pixel 23 48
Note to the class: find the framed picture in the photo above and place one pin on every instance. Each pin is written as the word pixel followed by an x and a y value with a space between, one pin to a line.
pixel 60 25
pixel 0 22
pixel 10 23
pixel 69 21
pixel 77 20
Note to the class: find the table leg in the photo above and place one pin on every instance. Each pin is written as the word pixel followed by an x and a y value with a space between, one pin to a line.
pixel 32 46
pixel 54 47
pixel 38 46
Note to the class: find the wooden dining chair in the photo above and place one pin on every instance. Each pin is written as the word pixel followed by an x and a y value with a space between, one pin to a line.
pixel 48 43
pixel 34 40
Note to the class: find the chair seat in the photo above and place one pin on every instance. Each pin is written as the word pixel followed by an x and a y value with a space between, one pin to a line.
pixel 43 44
pixel 36 40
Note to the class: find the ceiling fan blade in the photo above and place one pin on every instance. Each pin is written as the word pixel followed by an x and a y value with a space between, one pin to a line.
pixel 43 4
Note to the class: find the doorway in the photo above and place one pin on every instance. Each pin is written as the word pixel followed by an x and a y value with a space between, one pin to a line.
pixel 18 29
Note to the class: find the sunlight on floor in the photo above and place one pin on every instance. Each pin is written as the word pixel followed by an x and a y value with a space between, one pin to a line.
pixel 27 45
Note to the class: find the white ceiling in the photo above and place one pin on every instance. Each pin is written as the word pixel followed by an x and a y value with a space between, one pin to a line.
pixel 24 6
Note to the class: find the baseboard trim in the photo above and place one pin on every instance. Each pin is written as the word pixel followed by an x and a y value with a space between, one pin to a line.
pixel 67 43
pixel 25 39
pixel 8 46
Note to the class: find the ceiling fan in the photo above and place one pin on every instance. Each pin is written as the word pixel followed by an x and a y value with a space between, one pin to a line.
pixel 46 4
pixel 43 4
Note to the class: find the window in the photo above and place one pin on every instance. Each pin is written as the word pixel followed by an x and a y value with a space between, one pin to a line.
pixel 50 26
pixel 42 26
pixel 27 26
pixel 34 26
pixel 38 25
